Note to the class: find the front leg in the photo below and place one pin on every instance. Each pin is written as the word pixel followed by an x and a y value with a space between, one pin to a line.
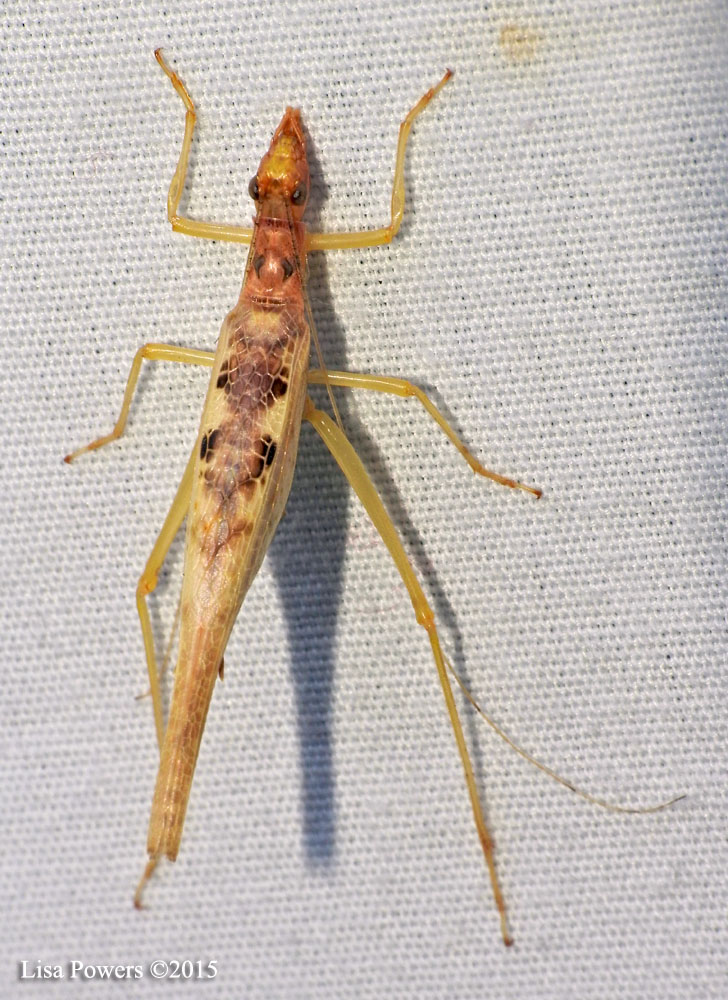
pixel 375 237
pixel 180 224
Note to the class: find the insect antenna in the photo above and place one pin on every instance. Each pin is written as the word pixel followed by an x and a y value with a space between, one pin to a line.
pixel 611 806
pixel 312 325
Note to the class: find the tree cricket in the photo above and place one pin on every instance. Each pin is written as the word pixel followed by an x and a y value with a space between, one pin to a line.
pixel 234 488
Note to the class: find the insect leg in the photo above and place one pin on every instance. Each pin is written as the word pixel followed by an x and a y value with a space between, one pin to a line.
pixel 401 387
pixel 148 581
pixel 374 237
pixel 152 352
pixel 351 466
pixel 206 230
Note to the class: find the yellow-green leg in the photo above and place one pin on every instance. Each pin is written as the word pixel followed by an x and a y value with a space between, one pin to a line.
pixel 206 230
pixel 148 582
pixel 150 352
pixel 401 387
pixel 375 237
pixel 176 514
pixel 355 472
pixel 314 241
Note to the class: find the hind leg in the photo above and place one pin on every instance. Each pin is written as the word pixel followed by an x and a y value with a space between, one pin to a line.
pixel 351 466
pixel 148 582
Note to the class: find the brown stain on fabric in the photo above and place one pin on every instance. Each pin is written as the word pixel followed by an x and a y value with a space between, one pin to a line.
pixel 519 44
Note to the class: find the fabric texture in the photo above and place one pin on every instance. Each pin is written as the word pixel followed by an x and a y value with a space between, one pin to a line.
pixel 559 288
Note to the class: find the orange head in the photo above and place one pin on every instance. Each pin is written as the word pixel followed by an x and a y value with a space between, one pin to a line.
pixel 280 187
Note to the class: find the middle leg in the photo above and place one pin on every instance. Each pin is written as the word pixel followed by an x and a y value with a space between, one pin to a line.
pixel 401 387
pixel 151 352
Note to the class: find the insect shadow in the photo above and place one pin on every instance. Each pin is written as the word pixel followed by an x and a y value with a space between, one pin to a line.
pixel 310 574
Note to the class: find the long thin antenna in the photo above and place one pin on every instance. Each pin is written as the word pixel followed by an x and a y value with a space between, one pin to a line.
pixel 312 325
pixel 547 770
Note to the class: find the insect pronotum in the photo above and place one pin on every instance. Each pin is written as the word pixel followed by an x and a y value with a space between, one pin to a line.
pixel 237 480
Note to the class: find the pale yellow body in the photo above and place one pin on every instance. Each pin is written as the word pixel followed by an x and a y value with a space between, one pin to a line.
pixel 225 546
pixel 234 488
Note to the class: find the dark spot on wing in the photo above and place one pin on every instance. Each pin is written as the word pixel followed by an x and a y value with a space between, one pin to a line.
pixel 279 387
pixel 254 374
pixel 207 444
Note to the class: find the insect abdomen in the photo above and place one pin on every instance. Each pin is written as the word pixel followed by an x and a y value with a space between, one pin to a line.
pixel 245 462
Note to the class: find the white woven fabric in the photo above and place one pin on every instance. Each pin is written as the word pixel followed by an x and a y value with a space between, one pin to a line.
pixel 559 286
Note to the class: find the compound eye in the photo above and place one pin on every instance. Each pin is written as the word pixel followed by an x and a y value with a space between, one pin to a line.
pixel 299 195
pixel 253 189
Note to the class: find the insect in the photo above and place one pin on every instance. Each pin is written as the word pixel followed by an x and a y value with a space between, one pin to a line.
pixel 234 488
